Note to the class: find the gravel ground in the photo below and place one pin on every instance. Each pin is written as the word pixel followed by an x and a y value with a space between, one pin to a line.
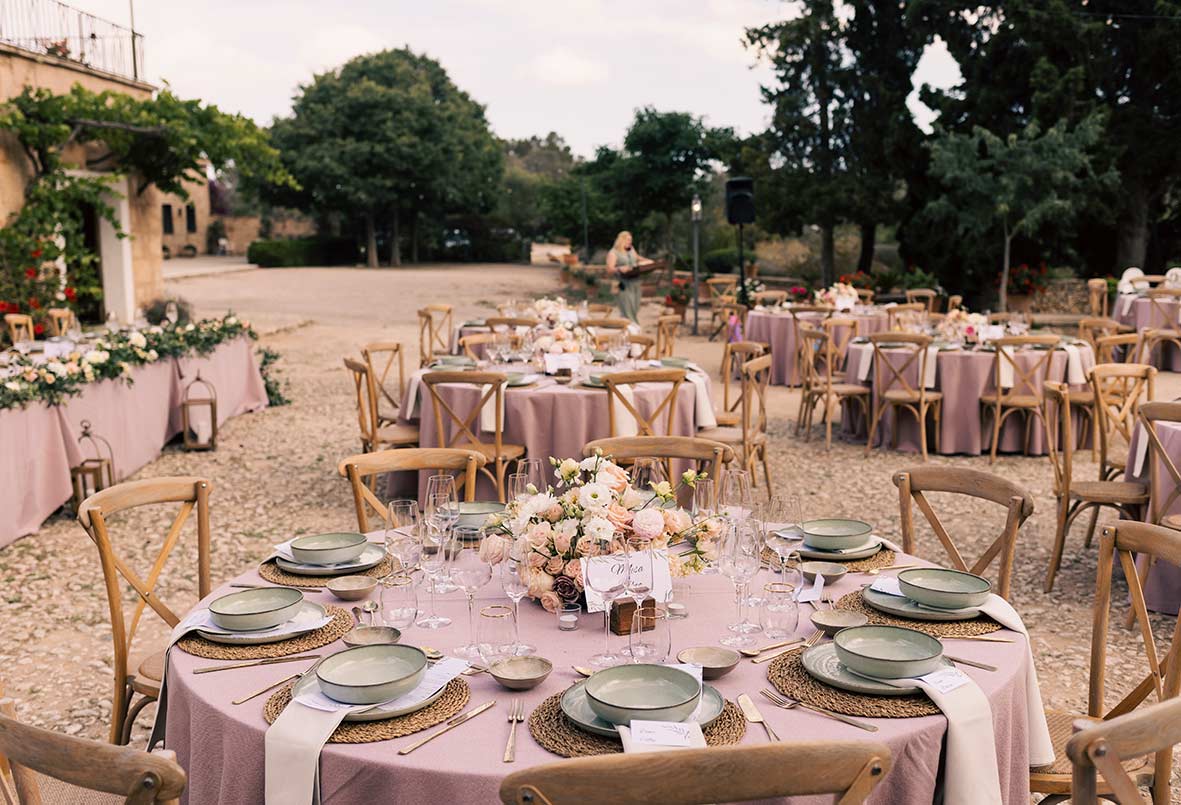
pixel 275 472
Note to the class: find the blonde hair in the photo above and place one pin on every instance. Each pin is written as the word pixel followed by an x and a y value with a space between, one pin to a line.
pixel 619 240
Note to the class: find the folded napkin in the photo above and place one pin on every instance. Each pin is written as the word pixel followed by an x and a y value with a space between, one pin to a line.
pixel 488 412
pixel 702 403
pixel 200 619
pixel 1074 365
pixel 932 364
pixel 293 743
pixel 884 542
pixel 625 422
pixel 864 358
pixel 189 623
pixel 1006 365
pixel 283 549
pixel 412 403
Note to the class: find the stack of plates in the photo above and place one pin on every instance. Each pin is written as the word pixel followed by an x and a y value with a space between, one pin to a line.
pixel 932 594
pixel 263 615
pixel 334 554
pixel 838 539
pixel 859 656
pixel 577 708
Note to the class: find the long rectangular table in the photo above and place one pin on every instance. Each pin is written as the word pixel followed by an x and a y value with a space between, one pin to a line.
pixel 39 443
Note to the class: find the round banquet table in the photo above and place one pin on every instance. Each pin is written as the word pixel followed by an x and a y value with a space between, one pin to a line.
pixel 778 330
pixel 1162 588
pixel 963 376
pixel 1139 313
pixel 221 746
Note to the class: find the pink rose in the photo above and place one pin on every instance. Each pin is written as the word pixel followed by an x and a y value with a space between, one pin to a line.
pixel 538 582
pixel 588 547
pixel 676 520
pixel 614 477
pixel 535 560
pixel 493 549
pixel 554 565
pixel 540 533
pixel 550 600
pixel 554 513
pixel 562 542
pixel 618 516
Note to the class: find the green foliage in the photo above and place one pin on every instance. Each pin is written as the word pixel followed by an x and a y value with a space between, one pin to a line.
pixel 725 261
pixel 310 251
pixel 276 396
pixel 213 235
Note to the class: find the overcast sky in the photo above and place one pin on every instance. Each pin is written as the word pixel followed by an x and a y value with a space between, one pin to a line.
pixel 577 67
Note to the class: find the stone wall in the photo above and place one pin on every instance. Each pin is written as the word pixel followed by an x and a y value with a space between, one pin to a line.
pixel 1062 296
pixel 181 236
pixel 242 230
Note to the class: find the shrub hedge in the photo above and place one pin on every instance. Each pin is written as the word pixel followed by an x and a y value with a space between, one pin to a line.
pixel 313 251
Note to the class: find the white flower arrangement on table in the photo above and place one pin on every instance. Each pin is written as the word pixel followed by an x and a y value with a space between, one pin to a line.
pixel 593 510
pixel 549 309
pixel 840 295
pixel 960 325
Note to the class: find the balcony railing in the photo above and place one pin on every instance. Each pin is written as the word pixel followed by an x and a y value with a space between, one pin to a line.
pixel 53 28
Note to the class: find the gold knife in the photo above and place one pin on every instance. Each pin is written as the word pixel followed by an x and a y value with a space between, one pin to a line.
pixel 452 724
pixel 752 714
pixel 209 669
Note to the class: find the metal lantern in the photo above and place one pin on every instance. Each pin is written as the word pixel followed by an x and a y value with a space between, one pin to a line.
pixel 189 404
pixel 96 472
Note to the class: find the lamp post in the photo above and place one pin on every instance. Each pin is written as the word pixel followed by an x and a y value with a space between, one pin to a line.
pixel 695 213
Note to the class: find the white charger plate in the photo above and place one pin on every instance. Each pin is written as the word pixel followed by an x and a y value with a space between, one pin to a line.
pixel 578 710
pixel 370 557
pixel 310 614
pixel 308 683
pixel 905 608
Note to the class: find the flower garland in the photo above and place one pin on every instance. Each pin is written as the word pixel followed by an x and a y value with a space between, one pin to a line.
pixel 112 357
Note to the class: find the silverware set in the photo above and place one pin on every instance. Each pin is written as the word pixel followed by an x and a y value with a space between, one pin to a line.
pixel 812 640
pixel 462 718
pixel 209 669
pixel 516 714
pixel 754 716
pixel 783 702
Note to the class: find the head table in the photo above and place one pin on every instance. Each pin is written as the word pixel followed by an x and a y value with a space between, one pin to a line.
pixel 221 745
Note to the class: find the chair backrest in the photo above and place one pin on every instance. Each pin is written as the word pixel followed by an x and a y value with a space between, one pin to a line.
pixel 1000 318
pixel 666 335
pixel 20 327
pixel 865 296
pixel 743 351
pixel 191 493
pixel 366 394
pixel 1162 492
pixel 954 302
pixel 849 769
pixel 1097 296
pixel 607 323
pixel 914 483
pixel 890 369
pixel 434 331
pixel 1106 346
pixel 60 319
pixel 721 286
pixel 1092 328
pixel 1103 747
pixel 899 315
pixel 646 343
pixel 137 776
pixel 466 423
pixel 645 426
pixel 926 296
pixel 841 331
pixel 1059 436
pixel 1119 389
pixel 379 359
pixel 468 343
pixel 733 316
pixel 812 358
pixel 510 321
pixel 707 455
pixel 1029 381
pixel 756 376
pixel 1163 302
pixel 600 310
pixel 358 469
pixel 769 298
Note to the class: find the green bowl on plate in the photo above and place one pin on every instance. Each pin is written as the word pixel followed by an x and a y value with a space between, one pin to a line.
pixel 329 549
pixel 943 588
pixel 650 692
pixel 476 513
pixel 253 610
pixel 887 652
pixel 835 533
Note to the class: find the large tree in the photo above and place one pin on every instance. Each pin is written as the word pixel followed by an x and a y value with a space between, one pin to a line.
pixel 385 137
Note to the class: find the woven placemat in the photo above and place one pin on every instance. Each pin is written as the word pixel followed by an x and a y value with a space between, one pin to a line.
pixel 455 697
pixel 554 732
pixel 883 558
pixel 335 629
pixel 981 624
pixel 276 575
pixel 788 676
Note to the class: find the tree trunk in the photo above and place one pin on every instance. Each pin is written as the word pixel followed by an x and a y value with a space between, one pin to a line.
pixel 395 250
pixel 1004 295
pixel 370 241
pixel 414 238
pixel 869 231
pixel 827 253
pixel 1132 234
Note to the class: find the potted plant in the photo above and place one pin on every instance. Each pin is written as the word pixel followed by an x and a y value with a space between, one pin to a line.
pixel 679 295
pixel 1024 282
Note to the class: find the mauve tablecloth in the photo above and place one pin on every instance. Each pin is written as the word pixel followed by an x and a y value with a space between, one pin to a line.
pixel 778 330
pixel 1140 313
pixel 40 443
pixel 1162 588
pixel 221 746
pixel 963 376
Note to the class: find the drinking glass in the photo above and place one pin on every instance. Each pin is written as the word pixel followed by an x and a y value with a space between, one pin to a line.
pixel 399 601
pixel 609 579
pixel 780 614
pixel 518 483
pixel 513 584
pixel 433 561
pixel 784 533
pixel 619 348
pixel 440 484
pixel 442 511
pixel 640 578
pixel 535 472
pixel 651 636
pixel 646 472
pixel 494 634
pixel 739 560
pixel 401 532
pixel 703 499
pixel 469 572
pixel 734 498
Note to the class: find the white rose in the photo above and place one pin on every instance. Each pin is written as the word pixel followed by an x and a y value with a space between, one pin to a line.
pixel 137 340
pixel 190 327
pixel 95 356
pixel 594 496
pixel 153 355
pixel 231 321
pixel 57 367
pixel 12 385
pixel 590 463
pixel 566 528
pixel 598 529
pixel 648 523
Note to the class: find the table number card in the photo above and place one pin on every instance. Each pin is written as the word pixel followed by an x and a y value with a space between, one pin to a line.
pixel 662 582
pixel 565 360
pixel 814 592
pixel 664 733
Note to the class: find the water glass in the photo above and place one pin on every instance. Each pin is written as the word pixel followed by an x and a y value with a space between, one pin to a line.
pixel 734 498
pixel 651 636
pixel 399 601
pixel 704 499
pixel 608 578
pixel 494 634
pixel 646 472
pixel 568 617
pixel 512 582
pixel 739 560
pixel 535 472
pixel 518 485
pixel 780 614
pixel 433 561
pixel 469 572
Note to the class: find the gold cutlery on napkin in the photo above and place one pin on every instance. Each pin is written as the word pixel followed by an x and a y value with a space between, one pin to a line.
pixel 462 718
pixel 209 669
pixel 779 700
pixel 752 714
pixel 516 714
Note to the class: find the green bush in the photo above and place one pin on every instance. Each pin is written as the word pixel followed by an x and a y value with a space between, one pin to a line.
pixel 314 251
pixel 725 261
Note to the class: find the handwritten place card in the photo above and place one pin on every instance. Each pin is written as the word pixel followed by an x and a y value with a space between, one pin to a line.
pixel 813 593
pixel 568 316
pixel 945 680
pixel 595 567
pixel 887 585
pixel 665 733
pixel 564 360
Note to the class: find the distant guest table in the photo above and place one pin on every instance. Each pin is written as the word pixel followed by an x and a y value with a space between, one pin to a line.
pixel 39 444
pixel 963 376
pixel 1141 314
pixel 221 746
pixel 778 328
pixel 1162 589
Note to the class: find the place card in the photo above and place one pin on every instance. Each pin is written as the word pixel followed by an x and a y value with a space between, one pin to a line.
pixel 888 585
pixel 665 733
pixel 563 360
pixel 945 680
pixel 813 593
pixel 616 564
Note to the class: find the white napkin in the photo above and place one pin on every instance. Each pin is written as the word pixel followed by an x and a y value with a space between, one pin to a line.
pixel 1141 452
pixel 703 405
pixel 1006 365
pixel 625 422
pixel 864 359
pixel 932 363
pixel 488 412
pixel 188 623
pixel 412 400
pixel 293 743
pixel 1074 365
pixel 885 544
pixel 283 549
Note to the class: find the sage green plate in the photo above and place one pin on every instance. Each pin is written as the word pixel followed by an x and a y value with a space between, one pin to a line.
pixel 863 551
pixel 905 608
pixel 594 382
pixel 516 379
pixel 577 708
pixel 370 557
pixel 887 652
pixel 309 617
pixel 835 533
pixel 382 711
pixel 822 664
pixel 944 588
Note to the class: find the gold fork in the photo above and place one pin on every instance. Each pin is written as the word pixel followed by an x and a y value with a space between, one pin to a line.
pixel 516 714
pixel 779 700
pixel 812 640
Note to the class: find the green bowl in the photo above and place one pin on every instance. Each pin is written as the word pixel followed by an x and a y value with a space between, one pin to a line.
pixel 835 533
pixel 253 610
pixel 650 692
pixel 887 652
pixel 371 674
pixel 474 515
pixel 943 588
pixel 329 549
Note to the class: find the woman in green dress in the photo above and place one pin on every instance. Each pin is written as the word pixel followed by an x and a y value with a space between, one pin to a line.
pixel 622 261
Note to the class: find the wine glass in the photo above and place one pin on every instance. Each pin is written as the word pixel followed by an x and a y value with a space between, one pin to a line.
pixel 606 576
pixel 513 584
pixel 783 532
pixel 518 486
pixel 739 560
pixel 494 640
pixel 651 634
pixel 433 561
pixel 734 498
pixel 704 499
pixel 442 511
pixel 399 601
pixel 469 572
pixel 646 472
pixel 640 578
pixel 619 348
pixel 440 484
pixel 535 472
pixel 401 532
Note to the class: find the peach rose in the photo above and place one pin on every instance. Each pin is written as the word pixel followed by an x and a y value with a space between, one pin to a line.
pixel 619 516
pixel 588 547
pixel 562 542
pixel 493 549
pixel 550 600
pixel 573 569
pixel 612 476
pixel 554 513
pixel 554 565
pixel 538 582
pixel 535 560
pixel 676 520
pixel 540 533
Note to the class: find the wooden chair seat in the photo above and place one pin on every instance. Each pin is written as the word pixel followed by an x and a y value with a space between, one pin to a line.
pixel 397 434
pixel 151 667
pixel 904 395
pixel 1058 772
pixel 507 451
pixel 1113 491
pixel 1082 397
pixel 1029 401
pixel 728 420
pixel 1172 521
pixel 729 435
pixel 386 412
pixel 852 390
pixel 59 792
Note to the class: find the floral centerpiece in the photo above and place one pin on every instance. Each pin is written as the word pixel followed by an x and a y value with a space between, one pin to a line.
pixel 593 510
pixel 840 295
pixel 960 325
pixel 564 337
pixel 549 309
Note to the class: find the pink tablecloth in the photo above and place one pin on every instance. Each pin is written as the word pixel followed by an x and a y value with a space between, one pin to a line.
pixel 963 376
pixel 1139 312
pixel 40 443
pixel 778 330
pixel 1162 588
pixel 221 746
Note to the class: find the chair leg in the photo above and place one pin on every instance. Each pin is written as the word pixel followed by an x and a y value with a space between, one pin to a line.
pixel 1091 527
pixel 501 468
pixel 766 470
pixel 996 433
pixel 119 705
pixel 1059 545
pixel 873 427
pixel 828 413
pixel 132 715
pixel 923 431
pixel 800 413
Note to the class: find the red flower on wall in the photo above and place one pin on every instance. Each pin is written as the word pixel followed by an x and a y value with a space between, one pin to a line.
pixel 35 253
pixel 70 293
pixel 38 329
pixel 34 304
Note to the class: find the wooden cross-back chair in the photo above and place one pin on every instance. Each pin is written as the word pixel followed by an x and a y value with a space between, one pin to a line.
pixel 1126 540
pixel 914 483
pixel 1119 389
pixel 823 360
pixel 374 434
pixel 646 344
pixel 60 320
pixel 468 343
pixel 742 351
pixel 899 315
pixel 1122 348
pixel 434 332
pixel 1097 297
pixel 464 424
pixel 751 432
pixel 20 327
pixel 1091 329
pixel 769 298
pixel 925 296
pixel 1166 328
pixel 954 302
pixel 48 767
pixel 192 494
pixel 706 455
pixel 892 388
pixel 729 317
pixel 1104 747
pixel 495 322
pixel 600 310
pixel 380 357
pixel 848 769
pixel 1075 497
pixel 666 335
pixel 645 425
pixel 803 316
pixel 1024 396
pixel 360 469
pixel 723 285
pixel 607 323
